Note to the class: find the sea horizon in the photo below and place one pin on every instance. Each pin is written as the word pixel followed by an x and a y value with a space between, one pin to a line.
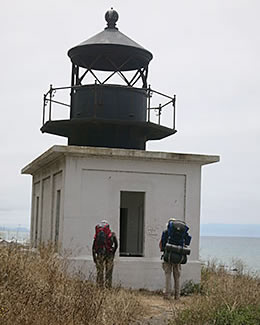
pixel 230 230
pixel 232 250
pixel 242 236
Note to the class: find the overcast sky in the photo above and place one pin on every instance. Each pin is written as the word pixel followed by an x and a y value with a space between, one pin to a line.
pixel 205 51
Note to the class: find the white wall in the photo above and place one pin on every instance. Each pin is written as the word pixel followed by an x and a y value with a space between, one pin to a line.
pixel 93 188
pixel 46 183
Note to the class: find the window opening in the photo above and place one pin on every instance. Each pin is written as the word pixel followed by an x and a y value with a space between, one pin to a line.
pixel 131 223
pixel 57 217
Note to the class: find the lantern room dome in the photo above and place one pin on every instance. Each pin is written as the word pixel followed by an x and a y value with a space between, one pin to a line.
pixel 110 50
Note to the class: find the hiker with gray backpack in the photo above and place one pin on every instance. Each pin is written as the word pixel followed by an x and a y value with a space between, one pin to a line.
pixel 103 251
pixel 174 245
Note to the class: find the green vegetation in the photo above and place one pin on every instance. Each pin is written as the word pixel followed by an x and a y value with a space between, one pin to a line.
pixel 222 299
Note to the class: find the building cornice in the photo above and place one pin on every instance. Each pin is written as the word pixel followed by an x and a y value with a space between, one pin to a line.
pixel 58 151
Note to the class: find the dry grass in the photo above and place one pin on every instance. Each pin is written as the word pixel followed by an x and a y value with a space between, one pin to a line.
pixel 36 288
pixel 224 299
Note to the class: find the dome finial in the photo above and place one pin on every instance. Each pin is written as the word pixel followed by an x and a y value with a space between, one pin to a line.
pixel 111 17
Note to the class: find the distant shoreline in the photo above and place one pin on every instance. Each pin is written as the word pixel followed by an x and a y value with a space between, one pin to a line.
pixel 206 230
pixel 236 236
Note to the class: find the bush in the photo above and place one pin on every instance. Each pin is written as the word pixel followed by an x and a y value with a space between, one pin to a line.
pixel 242 316
pixel 189 288
pixel 36 288
pixel 224 299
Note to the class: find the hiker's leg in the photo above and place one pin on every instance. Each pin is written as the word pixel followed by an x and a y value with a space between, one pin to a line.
pixel 176 275
pixel 167 267
pixel 100 270
pixel 109 271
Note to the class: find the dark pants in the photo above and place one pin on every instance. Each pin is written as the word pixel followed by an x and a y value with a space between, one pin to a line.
pixel 104 264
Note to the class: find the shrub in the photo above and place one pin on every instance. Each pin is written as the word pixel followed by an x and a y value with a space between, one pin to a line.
pixel 226 299
pixel 190 288
pixel 36 288
pixel 249 315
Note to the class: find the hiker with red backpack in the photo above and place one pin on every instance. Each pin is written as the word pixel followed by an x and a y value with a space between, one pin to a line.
pixel 103 250
pixel 174 245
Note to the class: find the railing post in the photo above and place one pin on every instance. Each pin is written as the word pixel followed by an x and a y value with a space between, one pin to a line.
pixel 43 111
pixel 72 88
pixel 149 102
pixel 50 102
pixel 159 114
pixel 174 111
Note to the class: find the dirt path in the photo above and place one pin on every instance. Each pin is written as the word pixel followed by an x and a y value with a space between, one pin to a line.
pixel 157 311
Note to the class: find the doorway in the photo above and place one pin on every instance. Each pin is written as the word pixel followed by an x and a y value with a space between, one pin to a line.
pixel 131 223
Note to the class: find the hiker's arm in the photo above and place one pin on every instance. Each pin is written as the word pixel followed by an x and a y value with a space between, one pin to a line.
pixel 163 240
pixel 115 243
pixel 94 252
pixel 187 239
pixel 160 246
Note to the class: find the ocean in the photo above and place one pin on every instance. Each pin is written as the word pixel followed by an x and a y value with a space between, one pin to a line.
pixel 229 251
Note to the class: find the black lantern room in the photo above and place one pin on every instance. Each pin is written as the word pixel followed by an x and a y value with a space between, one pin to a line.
pixel 104 114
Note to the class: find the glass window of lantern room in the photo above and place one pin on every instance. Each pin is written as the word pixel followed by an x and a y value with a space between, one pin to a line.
pixel 131 240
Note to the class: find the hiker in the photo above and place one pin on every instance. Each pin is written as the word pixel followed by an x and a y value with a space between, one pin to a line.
pixel 103 250
pixel 173 244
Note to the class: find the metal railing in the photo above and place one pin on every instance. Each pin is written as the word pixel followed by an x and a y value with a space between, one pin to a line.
pixel 171 100
pixel 48 101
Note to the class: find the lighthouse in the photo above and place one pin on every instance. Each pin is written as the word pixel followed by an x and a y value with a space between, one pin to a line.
pixel 105 171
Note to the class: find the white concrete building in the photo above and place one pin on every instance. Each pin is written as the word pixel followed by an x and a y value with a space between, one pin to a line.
pixel 137 191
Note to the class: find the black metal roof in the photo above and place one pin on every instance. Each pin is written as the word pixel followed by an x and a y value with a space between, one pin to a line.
pixel 110 50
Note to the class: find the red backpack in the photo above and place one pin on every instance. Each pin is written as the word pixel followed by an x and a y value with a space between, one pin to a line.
pixel 103 239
